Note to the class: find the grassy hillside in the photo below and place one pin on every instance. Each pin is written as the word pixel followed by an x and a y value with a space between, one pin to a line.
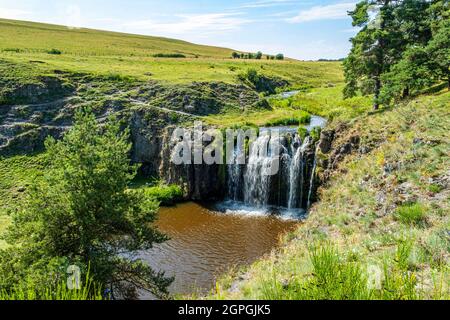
pixel 327 102
pixel 383 217
pixel 16 174
pixel 39 37
pixel 50 47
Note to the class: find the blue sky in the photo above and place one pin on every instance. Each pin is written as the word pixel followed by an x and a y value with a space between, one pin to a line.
pixel 302 29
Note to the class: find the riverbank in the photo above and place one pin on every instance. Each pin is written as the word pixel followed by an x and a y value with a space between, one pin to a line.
pixel 384 211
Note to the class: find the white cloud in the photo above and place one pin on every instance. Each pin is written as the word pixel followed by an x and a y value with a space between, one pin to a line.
pixel 13 13
pixel 201 23
pixel 330 12
pixel 267 3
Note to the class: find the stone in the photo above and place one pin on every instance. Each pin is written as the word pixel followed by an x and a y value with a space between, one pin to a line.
pixel 326 141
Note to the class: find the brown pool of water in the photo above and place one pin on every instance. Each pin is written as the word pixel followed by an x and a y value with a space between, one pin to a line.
pixel 205 243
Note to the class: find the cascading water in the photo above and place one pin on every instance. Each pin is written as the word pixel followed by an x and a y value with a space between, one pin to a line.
pixel 296 173
pixel 291 186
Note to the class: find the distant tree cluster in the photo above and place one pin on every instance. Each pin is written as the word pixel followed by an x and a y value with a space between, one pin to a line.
pixel 331 60
pixel 257 56
pixel 169 55
pixel 403 46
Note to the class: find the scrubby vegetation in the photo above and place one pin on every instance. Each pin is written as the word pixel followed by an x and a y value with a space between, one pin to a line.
pixel 29 290
pixel 302 117
pixel 169 55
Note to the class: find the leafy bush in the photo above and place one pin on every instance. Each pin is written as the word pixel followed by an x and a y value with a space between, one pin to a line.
pixel 411 214
pixel 167 195
pixel 54 51
pixel 302 132
pixel 169 55
pixel 114 76
pixel 15 50
pixel 315 133
pixel 261 82
pixel 302 117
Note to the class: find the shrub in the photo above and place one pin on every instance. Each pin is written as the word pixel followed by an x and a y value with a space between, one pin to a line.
pixel 411 214
pixel 166 195
pixel 113 76
pixel 315 133
pixel 169 55
pixel 302 133
pixel 15 50
pixel 54 51
pixel 302 118
pixel 279 56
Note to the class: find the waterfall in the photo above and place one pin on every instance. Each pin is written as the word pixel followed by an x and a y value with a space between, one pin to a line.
pixel 234 175
pixel 296 174
pixel 291 187
pixel 256 181
pixel 311 184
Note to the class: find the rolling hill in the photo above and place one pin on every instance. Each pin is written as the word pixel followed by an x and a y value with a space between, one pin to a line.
pixel 51 47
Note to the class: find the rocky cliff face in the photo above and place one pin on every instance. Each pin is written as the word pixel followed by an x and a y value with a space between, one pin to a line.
pixel 30 112
pixel 334 146
pixel 199 182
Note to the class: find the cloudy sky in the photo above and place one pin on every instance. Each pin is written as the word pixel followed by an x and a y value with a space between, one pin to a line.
pixel 302 29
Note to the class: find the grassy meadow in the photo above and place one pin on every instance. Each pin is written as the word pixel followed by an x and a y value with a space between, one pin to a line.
pixel 50 47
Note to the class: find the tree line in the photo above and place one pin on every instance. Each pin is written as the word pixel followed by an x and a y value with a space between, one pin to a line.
pixel 403 47
pixel 257 56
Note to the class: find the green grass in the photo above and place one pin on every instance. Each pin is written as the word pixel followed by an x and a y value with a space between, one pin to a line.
pixel 329 103
pixel 101 52
pixel 28 291
pixel 16 174
pixel 300 118
pixel 324 101
pixel 359 212
pixel 411 214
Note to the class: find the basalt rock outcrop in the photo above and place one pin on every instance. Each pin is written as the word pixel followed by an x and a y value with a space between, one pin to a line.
pixel 198 181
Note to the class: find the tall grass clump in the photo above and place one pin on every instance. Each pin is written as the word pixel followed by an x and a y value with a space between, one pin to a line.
pixel 411 214
pixel 333 278
pixel 30 290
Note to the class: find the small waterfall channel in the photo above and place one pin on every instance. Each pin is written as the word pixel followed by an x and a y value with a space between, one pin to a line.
pixel 258 185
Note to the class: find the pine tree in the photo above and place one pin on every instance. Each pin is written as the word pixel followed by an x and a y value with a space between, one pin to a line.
pixel 372 53
pixel 83 214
